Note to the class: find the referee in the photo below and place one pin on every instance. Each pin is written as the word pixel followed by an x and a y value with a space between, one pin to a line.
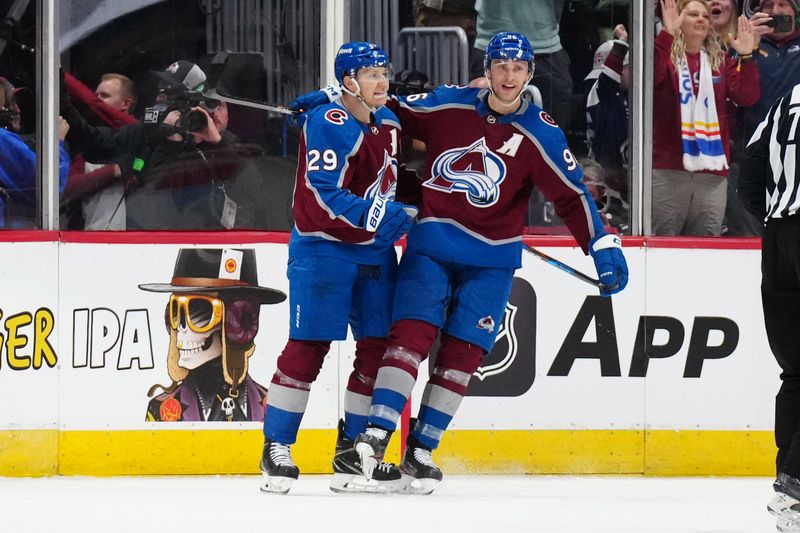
pixel 768 188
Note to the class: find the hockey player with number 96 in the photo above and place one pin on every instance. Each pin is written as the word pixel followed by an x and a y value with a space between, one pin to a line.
pixel 486 150
pixel 342 265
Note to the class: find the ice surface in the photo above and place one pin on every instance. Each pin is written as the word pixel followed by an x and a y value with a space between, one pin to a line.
pixel 485 504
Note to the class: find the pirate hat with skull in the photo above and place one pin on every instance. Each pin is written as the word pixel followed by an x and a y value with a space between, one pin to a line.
pixel 213 290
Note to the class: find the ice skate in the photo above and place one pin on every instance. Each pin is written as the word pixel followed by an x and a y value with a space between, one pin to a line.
pixel 786 526
pixel 419 471
pixel 786 503
pixel 277 467
pixel 371 447
pixel 347 474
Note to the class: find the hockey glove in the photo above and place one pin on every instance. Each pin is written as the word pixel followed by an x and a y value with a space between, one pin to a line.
pixel 606 250
pixel 306 102
pixel 396 221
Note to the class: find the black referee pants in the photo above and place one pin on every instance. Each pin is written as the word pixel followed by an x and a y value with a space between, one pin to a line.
pixel 780 296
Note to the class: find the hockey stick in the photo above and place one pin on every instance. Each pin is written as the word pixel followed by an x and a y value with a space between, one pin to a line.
pixel 566 268
pixel 212 93
pixel 220 70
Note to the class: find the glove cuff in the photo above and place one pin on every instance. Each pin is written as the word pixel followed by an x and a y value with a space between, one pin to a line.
pixel 411 211
pixel 332 92
pixel 606 241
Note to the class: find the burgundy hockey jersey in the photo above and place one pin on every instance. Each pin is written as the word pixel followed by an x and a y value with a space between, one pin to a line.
pixel 479 172
pixel 345 168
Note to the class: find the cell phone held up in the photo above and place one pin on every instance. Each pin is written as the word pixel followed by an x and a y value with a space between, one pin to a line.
pixel 781 23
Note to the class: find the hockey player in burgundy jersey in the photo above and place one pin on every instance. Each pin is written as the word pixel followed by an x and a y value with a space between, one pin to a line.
pixel 486 150
pixel 342 265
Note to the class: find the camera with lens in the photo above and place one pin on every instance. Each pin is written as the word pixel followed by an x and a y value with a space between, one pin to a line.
pixel 184 101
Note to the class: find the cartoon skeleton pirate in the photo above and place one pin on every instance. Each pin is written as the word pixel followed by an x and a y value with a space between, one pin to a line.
pixel 212 320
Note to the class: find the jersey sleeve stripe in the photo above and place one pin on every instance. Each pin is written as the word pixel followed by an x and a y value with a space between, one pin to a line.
pixel 473 234
pixel 431 109
pixel 564 179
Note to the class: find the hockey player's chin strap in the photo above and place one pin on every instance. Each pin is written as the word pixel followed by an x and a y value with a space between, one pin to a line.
pixel 357 96
pixel 513 102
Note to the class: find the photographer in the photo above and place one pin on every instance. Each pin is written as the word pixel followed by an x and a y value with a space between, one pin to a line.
pixel 175 163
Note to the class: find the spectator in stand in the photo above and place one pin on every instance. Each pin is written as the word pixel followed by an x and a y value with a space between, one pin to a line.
pixel 99 188
pixel 18 164
pixel 117 91
pixel 724 17
pixel 448 13
pixel 12 116
pixel 738 222
pixel 607 110
pixel 613 209
pixel 777 57
pixel 692 79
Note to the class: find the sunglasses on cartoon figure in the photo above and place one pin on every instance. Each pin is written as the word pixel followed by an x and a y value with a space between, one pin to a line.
pixel 199 312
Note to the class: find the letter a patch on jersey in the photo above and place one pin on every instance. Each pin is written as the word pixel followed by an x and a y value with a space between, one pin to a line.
pixel 511 146
pixel 474 170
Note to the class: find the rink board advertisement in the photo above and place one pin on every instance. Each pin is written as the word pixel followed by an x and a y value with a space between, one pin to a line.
pixel 645 382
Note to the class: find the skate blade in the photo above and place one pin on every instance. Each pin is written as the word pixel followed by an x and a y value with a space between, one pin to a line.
pixel 276 485
pixel 786 526
pixel 352 483
pixel 368 460
pixel 423 487
pixel 785 508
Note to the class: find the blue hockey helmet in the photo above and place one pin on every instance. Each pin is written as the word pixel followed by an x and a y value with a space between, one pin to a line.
pixel 355 55
pixel 508 45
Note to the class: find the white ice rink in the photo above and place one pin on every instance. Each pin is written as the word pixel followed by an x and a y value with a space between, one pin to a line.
pixel 485 504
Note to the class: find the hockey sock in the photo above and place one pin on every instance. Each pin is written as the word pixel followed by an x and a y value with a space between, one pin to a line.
pixel 409 344
pixel 358 395
pixel 298 367
pixel 455 363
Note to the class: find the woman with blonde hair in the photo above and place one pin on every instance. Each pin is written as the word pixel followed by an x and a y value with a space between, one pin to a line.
pixel 724 17
pixel 693 77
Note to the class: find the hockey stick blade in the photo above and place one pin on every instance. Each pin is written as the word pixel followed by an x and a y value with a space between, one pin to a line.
pixel 563 266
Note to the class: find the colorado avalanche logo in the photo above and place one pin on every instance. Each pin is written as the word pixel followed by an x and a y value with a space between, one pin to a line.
pixel 486 323
pixel 336 116
pixel 381 191
pixel 475 171
pixel 547 119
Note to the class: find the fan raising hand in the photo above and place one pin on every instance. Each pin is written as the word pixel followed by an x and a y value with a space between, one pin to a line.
pixel 745 40
pixel 671 17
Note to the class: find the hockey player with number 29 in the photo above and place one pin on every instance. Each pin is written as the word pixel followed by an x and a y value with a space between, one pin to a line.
pixel 486 150
pixel 342 265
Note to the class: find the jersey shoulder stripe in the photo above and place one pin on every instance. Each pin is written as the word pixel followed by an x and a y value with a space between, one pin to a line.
pixel 385 117
pixel 443 97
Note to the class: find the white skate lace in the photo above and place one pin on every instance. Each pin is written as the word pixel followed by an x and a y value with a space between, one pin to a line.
pixel 378 433
pixel 280 454
pixel 423 456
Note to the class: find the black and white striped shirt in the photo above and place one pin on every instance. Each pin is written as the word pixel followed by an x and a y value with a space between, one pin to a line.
pixel 769 185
